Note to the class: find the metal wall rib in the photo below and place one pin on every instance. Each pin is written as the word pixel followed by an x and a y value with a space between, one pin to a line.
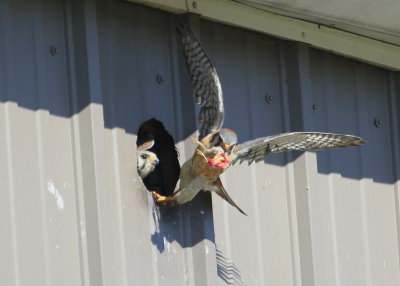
pixel 77 78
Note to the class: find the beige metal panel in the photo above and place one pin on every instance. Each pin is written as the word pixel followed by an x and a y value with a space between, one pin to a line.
pixel 334 199
pixel 38 187
pixel 296 66
pixel 361 227
pixel 380 195
pixel 373 19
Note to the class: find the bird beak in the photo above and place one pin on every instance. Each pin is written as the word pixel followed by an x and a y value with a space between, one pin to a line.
pixel 156 161
pixel 226 147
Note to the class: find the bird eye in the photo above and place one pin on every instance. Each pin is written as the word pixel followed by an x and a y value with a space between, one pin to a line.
pixel 144 156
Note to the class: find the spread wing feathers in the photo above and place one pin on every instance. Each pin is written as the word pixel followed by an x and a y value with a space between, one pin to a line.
pixel 220 191
pixel 258 149
pixel 166 174
pixel 207 89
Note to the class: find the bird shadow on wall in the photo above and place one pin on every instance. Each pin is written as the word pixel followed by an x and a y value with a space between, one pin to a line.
pixel 227 270
pixel 170 223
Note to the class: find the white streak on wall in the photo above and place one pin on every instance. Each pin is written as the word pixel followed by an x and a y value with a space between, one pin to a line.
pixel 54 192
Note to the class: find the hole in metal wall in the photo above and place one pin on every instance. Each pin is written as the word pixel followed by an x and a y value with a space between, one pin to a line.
pixel 157 158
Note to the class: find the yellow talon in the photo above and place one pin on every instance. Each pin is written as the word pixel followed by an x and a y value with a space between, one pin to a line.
pixel 163 199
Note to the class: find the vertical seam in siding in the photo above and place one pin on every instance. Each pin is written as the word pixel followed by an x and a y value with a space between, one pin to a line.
pixel 184 218
pixel 118 191
pixel 186 224
pixel 77 137
pixel 363 117
pixel 116 161
pixel 12 191
pixel 140 57
pixel 96 119
pixel 307 162
pixel 75 142
pixel 41 92
pixel 10 78
pixel 225 207
pixel 327 77
pixel 178 118
pixel 310 160
pixel 395 144
pixel 289 172
pixel 251 90
pixel 41 171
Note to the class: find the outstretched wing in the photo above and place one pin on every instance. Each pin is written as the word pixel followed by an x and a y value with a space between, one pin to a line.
pixel 258 149
pixel 207 89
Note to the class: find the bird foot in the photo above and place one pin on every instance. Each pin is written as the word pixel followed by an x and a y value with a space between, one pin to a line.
pixel 197 142
pixel 163 199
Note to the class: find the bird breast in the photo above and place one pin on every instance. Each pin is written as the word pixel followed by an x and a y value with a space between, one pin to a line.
pixel 189 189
pixel 198 168
pixel 205 163
pixel 199 173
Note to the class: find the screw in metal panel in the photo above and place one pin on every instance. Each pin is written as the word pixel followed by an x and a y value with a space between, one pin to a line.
pixel 314 107
pixel 53 50
pixel 378 122
pixel 268 99
pixel 194 4
pixel 160 79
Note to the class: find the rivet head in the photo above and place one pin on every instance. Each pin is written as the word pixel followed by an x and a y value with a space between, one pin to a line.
pixel 378 122
pixel 268 99
pixel 194 4
pixel 160 79
pixel 53 50
pixel 314 107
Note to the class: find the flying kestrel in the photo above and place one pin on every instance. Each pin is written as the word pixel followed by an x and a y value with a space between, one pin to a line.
pixel 217 147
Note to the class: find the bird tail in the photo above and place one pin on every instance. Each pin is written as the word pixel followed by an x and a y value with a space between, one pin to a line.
pixel 220 190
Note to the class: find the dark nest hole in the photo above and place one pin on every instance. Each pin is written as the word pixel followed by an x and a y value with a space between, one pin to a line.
pixel 164 177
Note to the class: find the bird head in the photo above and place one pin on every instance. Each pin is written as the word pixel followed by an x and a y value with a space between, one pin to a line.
pixel 146 163
pixel 226 138
pixel 146 160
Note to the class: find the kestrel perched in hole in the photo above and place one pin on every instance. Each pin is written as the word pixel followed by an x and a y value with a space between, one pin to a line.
pixel 217 147
pixel 157 158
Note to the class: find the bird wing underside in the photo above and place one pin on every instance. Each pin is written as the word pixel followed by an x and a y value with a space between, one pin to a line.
pixel 207 89
pixel 258 149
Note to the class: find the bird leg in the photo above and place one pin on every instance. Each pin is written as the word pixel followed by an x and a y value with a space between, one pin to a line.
pixel 195 141
pixel 163 199
pixel 201 149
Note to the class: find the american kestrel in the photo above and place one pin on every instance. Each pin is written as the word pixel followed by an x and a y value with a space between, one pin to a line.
pixel 217 147
pixel 157 158
pixel 146 160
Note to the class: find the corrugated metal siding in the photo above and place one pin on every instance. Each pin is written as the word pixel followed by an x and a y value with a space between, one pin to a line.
pixel 73 211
